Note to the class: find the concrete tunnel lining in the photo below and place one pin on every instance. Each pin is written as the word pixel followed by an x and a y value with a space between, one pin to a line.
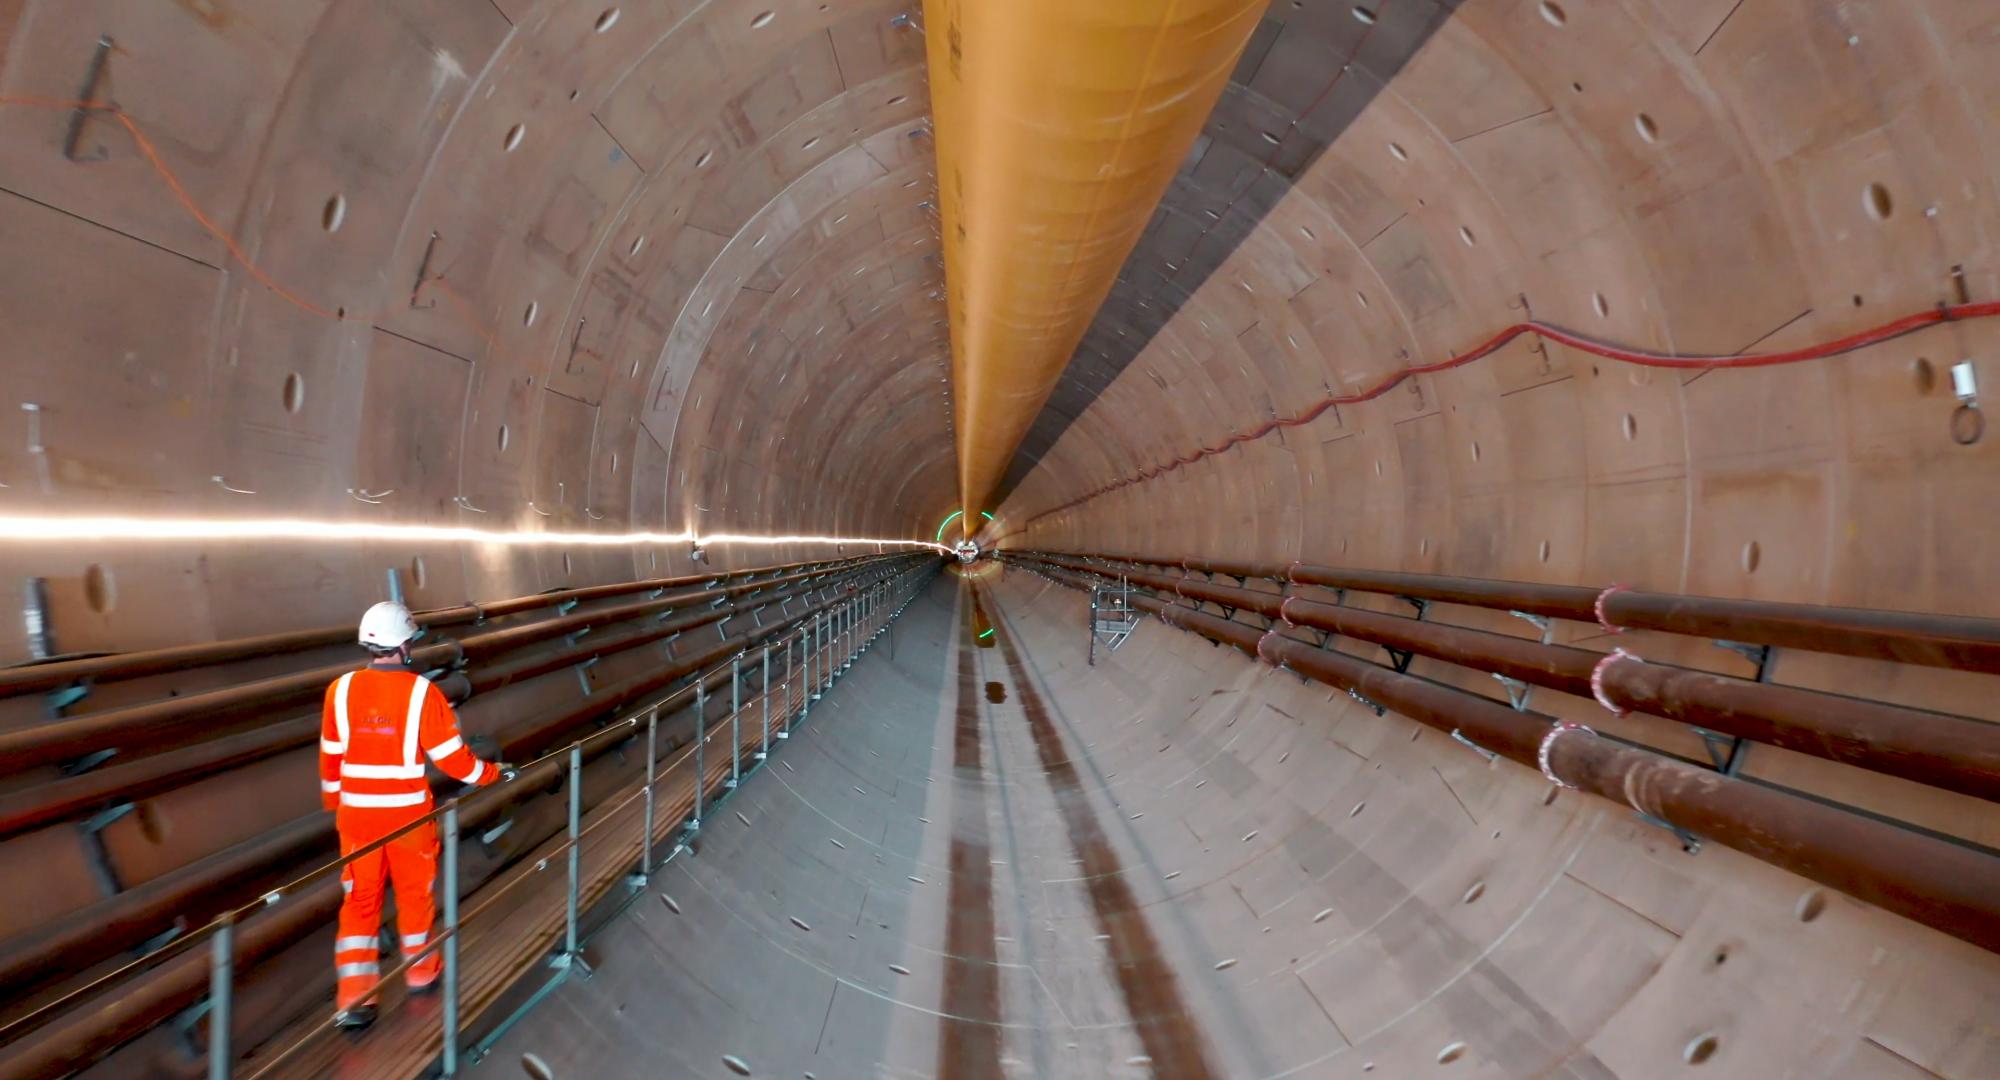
pixel 616 266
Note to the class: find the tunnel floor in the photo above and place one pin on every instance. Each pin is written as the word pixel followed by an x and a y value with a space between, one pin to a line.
pixel 936 877
pixel 984 857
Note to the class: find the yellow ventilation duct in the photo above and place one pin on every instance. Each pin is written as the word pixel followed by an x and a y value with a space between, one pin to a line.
pixel 1059 125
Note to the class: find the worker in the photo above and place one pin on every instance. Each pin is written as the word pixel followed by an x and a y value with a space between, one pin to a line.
pixel 377 727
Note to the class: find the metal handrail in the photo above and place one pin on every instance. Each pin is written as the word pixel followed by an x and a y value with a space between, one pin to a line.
pixel 221 926
pixel 572 845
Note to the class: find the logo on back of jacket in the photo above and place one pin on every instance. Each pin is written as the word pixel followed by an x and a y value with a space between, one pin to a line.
pixel 376 723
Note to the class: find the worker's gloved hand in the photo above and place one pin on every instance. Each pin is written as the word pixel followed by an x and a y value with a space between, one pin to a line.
pixel 504 771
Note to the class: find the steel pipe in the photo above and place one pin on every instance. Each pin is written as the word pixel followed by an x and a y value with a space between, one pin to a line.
pixel 1956 753
pixel 56 800
pixel 1909 637
pixel 1951 887
pixel 166 720
pixel 28 678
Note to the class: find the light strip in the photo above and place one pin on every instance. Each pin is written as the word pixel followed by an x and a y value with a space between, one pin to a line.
pixel 22 527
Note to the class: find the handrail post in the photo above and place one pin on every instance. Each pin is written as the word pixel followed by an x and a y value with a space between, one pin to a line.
pixel 700 744
pixel 221 979
pixel 449 991
pixel 764 747
pixel 812 669
pixel 785 722
pixel 646 838
pixel 575 851
pixel 735 712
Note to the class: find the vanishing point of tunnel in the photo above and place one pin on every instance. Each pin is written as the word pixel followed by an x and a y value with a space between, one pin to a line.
pixel 1000 538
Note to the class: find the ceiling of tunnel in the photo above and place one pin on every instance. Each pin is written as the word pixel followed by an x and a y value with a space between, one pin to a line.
pixel 1307 73
pixel 1690 178
pixel 571 266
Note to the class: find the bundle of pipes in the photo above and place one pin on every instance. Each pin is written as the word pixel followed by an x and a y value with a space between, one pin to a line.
pixel 237 875
pixel 1949 885
pixel 1957 753
pixel 1907 637
pixel 195 719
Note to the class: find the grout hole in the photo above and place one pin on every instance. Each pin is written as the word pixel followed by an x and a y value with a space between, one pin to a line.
pixel 1721 956
pixel 706 157
pixel 1701 1049
pixel 514 136
pixel 1465 234
pixel 1752 555
pixel 1876 199
pixel 763 20
pixel 1629 424
pixel 1364 16
pixel 1857 300
pixel 1648 130
pixel 568 567
pixel 1452 1052
pixel 1576 88
pixel 100 588
pixel 736 1064
pixel 1602 305
pixel 536 1067
pixel 1475 451
pixel 1473 894
pixel 1542 552
pixel 295 392
pixel 1926 375
pixel 1549 796
pixel 1358 807
pixel 1363 297
pixel 638 242
pixel 333 213
pixel 528 316
pixel 1553 13
pixel 606 20
pixel 1396 151
pixel 502 440
pixel 419 573
pixel 1810 905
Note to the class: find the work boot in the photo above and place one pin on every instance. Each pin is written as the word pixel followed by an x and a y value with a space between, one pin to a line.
pixel 422 976
pixel 354 1019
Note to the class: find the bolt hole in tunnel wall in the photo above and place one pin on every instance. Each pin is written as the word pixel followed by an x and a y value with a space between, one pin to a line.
pixel 544 266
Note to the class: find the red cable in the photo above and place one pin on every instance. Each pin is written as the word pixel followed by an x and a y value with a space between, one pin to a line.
pixel 1909 324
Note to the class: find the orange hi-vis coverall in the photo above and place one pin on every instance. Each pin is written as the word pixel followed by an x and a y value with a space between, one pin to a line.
pixel 378 726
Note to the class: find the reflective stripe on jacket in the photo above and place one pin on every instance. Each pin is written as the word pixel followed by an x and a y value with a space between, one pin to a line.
pixel 377 728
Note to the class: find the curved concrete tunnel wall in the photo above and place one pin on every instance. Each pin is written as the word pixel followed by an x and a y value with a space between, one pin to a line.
pixel 645 266
pixel 684 260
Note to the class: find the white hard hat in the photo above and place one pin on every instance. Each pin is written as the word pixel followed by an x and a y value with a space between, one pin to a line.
pixel 387 625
